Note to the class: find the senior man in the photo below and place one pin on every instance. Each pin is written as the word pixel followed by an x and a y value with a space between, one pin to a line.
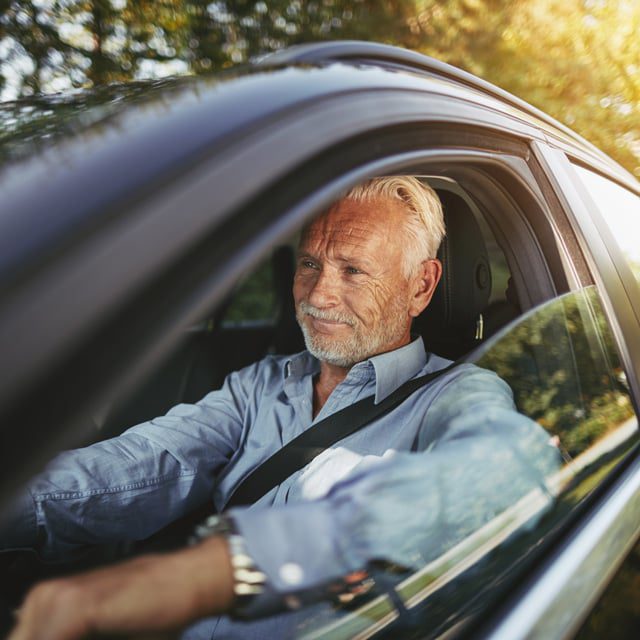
pixel 402 489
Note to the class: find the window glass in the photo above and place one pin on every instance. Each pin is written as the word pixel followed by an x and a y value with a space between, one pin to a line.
pixel 563 368
pixel 621 211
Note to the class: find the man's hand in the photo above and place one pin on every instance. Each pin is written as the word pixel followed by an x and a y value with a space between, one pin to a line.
pixel 150 594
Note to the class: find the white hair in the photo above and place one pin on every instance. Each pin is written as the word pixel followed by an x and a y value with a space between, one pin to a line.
pixel 425 222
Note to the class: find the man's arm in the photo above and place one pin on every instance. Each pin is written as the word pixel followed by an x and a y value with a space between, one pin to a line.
pixel 155 593
pixel 479 456
pixel 407 510
pixel 128 487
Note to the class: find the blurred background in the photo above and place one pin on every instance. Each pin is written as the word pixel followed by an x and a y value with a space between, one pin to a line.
pixel 578 60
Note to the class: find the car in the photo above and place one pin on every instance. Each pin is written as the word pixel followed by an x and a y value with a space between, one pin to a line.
pixel 148 236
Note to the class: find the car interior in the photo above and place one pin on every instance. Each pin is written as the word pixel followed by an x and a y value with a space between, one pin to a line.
pixel 474 299
pixel 258 317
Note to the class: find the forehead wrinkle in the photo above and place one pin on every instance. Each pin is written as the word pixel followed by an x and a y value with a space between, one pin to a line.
pixel 346 249
pixel 351 236
pixel 345 229
pixel 337 237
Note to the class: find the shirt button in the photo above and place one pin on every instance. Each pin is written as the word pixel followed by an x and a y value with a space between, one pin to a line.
pixel 291 573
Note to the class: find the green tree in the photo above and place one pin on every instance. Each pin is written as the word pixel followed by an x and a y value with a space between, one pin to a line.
pixel 92 42
pixel 578 60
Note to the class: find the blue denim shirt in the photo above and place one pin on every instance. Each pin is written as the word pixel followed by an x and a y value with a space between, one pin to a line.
pixel 425 465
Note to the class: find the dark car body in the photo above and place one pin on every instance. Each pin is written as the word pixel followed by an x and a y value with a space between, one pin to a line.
pixel 126 230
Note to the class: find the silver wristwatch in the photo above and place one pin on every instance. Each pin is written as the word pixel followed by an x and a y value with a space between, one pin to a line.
pixel 248 581
pixel 255 596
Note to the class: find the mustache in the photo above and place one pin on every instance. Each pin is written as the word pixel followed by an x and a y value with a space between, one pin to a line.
pixel 320 314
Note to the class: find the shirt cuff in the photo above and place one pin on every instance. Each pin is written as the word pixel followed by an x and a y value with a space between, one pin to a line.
pixel 18 523
pixel 278 539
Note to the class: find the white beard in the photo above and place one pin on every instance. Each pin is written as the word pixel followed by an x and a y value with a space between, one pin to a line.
pixel 360 344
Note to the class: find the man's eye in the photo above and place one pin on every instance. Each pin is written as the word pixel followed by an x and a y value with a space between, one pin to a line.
pixel 308 264
pixel 352 270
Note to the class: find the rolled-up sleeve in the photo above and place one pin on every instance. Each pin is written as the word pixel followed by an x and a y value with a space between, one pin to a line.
pixel 128 487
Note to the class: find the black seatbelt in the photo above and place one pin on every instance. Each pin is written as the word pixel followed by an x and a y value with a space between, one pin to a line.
pixel 305 447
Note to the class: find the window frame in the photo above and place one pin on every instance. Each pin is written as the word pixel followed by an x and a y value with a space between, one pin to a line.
pixel 602 254
pixel 134 310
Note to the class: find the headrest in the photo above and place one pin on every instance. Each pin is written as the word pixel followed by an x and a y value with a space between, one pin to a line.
pixel 449 324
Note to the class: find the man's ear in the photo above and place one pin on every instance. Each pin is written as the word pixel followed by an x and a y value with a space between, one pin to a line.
pixel 424 285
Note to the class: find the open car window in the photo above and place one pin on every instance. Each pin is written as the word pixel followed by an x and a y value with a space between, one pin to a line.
pixel 563 368
pixel 475 299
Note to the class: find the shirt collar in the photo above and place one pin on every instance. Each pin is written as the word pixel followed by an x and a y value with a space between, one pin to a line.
pixel 392 368
pixel 301 364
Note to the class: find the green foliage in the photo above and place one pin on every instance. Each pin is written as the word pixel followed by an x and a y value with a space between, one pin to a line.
pixel 55 44
pixel 254 300
pixel 575 59
pixel 564 370
pixel 578 60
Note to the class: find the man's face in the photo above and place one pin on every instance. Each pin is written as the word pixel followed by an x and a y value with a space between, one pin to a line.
pixel 352 298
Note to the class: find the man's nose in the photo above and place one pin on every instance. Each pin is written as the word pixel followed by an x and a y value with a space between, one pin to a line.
pixel 325 290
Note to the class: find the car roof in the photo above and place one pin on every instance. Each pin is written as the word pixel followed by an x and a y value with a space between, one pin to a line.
pixel 136 142
pixel 324 68
pixel 435 73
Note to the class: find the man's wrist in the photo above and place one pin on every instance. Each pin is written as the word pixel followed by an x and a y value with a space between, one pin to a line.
pixel 248 582
pixel 213 575
pixel 255 595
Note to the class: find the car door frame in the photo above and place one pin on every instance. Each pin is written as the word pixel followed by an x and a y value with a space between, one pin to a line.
pixel 116 286
pixel 244 231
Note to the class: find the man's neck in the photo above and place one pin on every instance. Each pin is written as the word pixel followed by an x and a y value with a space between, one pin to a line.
pixel 328 379
pixel 332 375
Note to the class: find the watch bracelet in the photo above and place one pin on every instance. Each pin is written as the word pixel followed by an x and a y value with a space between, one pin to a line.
pixel 253 596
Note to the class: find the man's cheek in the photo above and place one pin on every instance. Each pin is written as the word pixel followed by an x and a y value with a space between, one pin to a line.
pixel 379 296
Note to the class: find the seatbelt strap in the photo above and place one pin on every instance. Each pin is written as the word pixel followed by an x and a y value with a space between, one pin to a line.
pixel 300 451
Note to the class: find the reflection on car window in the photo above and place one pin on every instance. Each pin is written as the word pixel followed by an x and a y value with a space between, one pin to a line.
pixel 620 210
pixel 565 372
pixel 29 125
pixel 562 365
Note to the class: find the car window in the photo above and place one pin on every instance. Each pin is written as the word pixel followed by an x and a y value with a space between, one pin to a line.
pixel 620 210
pixel 565 373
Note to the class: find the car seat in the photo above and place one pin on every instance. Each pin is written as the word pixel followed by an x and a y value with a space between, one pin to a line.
pixel 453 323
